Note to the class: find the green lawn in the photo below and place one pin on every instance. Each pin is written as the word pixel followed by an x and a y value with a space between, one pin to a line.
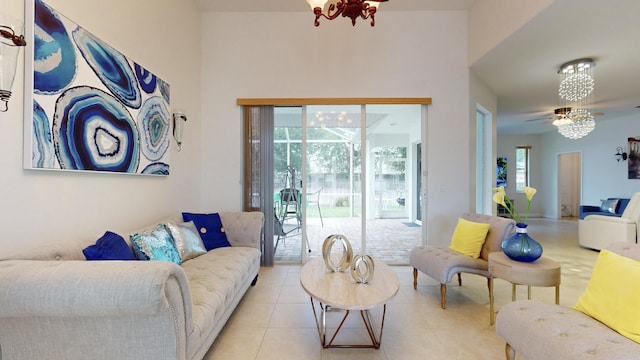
pixel 341 211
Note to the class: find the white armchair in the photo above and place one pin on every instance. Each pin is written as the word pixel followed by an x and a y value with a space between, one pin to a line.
pixel 598 231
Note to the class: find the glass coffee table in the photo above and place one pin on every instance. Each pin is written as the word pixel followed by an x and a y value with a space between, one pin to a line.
pixel 338 290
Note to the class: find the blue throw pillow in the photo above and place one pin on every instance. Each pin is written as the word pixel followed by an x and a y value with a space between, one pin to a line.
pixel 210 229
pixel 110 246
pixel 155 244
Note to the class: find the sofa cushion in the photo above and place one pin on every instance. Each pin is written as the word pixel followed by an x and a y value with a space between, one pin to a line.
pixel 110 246
pixel 155 244
pixel 468 237
pixel 611 297
pixel 186 239
pixel 210 229
pixel 609 206
pixel 216 280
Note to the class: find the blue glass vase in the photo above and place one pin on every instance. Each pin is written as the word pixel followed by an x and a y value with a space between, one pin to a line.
pixel 520 246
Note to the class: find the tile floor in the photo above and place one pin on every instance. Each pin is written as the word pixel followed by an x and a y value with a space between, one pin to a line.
pixel 275 320
pixel 380 233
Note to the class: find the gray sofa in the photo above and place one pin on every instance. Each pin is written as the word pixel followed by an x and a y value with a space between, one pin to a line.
pixel 538 330
pixel 56 305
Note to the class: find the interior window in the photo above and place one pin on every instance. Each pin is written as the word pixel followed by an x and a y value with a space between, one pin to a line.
pixel 522 167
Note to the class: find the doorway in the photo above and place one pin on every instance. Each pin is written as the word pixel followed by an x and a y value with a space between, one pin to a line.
pixel 569 184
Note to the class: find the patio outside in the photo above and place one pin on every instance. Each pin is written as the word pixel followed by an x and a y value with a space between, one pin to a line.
pixel 334 179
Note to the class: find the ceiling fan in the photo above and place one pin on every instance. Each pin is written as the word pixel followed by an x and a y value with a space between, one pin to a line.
pixel 563 115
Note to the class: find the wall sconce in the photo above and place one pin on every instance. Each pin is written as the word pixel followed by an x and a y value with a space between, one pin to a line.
pixel 10 44
pixel 179 119
pixel 620 155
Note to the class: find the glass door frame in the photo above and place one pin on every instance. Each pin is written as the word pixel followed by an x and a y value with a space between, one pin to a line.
pixel 254 168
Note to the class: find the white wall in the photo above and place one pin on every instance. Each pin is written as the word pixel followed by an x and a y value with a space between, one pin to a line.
pixel 45 206
pixel 407 54
pixel 602 175
pixel 492 21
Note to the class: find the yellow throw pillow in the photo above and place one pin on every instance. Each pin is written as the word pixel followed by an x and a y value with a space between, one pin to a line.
pixel 612 295
pixel 469 237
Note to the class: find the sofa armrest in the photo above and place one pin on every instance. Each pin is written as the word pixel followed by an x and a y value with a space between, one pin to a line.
pixel 587 209
pixel 93 309
pixel 90 288
pixel 590 208
pixel 243 228
pixel 609 218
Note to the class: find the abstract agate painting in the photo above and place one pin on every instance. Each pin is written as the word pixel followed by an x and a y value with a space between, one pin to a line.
pixel 88 107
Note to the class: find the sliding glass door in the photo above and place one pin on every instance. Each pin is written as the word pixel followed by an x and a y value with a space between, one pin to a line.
pixel 333 174
pixel 352 170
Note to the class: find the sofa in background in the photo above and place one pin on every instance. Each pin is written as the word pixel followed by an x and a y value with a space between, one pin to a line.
pixel 56 305
pixel 538 330
pixel 609 207
pixel 598 231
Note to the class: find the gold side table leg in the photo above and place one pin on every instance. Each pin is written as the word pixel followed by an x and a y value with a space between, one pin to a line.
pixel 491 313
pixel 528 292
pixel 513 292
pixel 557 294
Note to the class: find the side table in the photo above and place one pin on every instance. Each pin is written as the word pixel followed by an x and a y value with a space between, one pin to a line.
pixel 543 272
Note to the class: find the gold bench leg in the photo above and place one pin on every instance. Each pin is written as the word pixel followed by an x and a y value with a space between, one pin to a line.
pixel 443 296
pixel 492 314
pixel 510 352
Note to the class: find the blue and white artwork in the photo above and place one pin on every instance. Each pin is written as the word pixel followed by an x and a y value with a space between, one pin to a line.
pixel 93 109
pixel 501 172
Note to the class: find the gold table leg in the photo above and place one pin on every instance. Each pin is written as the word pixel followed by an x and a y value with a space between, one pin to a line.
pixel 321 325
pixel 491 313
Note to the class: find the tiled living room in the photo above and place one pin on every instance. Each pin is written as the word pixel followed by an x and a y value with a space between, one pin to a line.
pixel 275 319
pixel 499 57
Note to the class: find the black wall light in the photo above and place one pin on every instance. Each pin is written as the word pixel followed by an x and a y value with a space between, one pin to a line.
pixel 620 155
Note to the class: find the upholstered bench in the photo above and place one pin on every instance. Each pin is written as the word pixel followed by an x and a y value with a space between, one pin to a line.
pixel 538 330
pixel 442 263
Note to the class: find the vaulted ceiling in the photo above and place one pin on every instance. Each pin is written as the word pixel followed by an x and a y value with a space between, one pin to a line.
pixel 522 69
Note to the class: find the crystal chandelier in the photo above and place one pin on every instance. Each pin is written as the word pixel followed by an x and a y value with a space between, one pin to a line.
pixel 347 8
pixel 574 118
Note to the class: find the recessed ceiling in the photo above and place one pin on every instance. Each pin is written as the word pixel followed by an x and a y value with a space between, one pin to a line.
pixel 522 69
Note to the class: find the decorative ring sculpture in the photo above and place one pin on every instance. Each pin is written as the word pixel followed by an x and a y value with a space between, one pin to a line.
pixel 362 268
pixel 345 258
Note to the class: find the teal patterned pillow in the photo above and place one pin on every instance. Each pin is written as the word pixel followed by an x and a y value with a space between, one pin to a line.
pixel 186 239
pixel 155 244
